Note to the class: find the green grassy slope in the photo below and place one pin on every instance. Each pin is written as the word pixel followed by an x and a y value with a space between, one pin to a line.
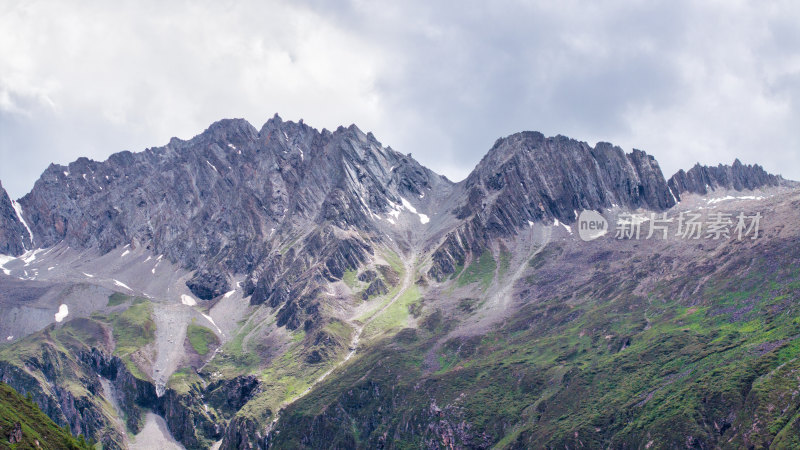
pixel 38 431
pixel 54 365
pixel 706 358
pixel 201 338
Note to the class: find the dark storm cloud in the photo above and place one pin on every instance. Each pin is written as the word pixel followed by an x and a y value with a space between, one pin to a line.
pixel 685 81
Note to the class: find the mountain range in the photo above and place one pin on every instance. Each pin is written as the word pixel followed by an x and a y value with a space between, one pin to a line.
pixel 289 287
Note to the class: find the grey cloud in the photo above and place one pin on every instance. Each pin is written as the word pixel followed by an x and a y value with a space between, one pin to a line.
pixel 685 81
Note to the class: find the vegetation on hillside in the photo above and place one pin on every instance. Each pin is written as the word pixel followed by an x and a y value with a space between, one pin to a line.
pixel 201 338
pixel 21 418
pixel 596 366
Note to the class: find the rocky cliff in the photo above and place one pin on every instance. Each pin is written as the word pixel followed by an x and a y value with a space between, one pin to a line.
pixel 737 176
pixel 14 236
pixel 220 202
pixel 527 178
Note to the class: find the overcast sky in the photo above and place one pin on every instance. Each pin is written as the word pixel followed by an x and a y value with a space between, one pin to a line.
pixel 685 81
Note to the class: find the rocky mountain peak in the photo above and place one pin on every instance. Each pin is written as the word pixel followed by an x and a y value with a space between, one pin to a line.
pixel 527 177
pixel 225 201
pixel 551 178
pixel 231 130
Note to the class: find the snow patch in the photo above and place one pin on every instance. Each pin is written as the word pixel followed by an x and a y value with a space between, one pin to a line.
pixel 556 223
pixel 18 210
pixel 88 274
pixel 5 259
pixel 188 300
pixel 408 206
pixel 232 146
pixel 30 256
pixel 728 197
pixel 10 338
pixel 395 213
pixel 212 323
pixel 530 224
pixel 721 199
pixel 124 253
pixel 422 217
pixel 158 261
pixel 229 293
pixel 66 174
pixel 121 284
pixel 50 268
pixel 212 166
pixel 63 311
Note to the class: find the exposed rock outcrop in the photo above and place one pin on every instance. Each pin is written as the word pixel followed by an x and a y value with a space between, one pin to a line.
pixel 14 236
pixel 228 396
pixel 219 199
pixel 367 276
pixel 527 177
pixel 737 176
pixel 15 435
pixel 377 287
pixel 207 285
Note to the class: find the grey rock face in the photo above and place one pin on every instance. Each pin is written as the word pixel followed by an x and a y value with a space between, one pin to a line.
pixel 527 177
pixel 367 276
pixel 377 287
pixel 700 179
pixel 14 237
pixel 235 200
pixel 216 198
pixel 207 285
